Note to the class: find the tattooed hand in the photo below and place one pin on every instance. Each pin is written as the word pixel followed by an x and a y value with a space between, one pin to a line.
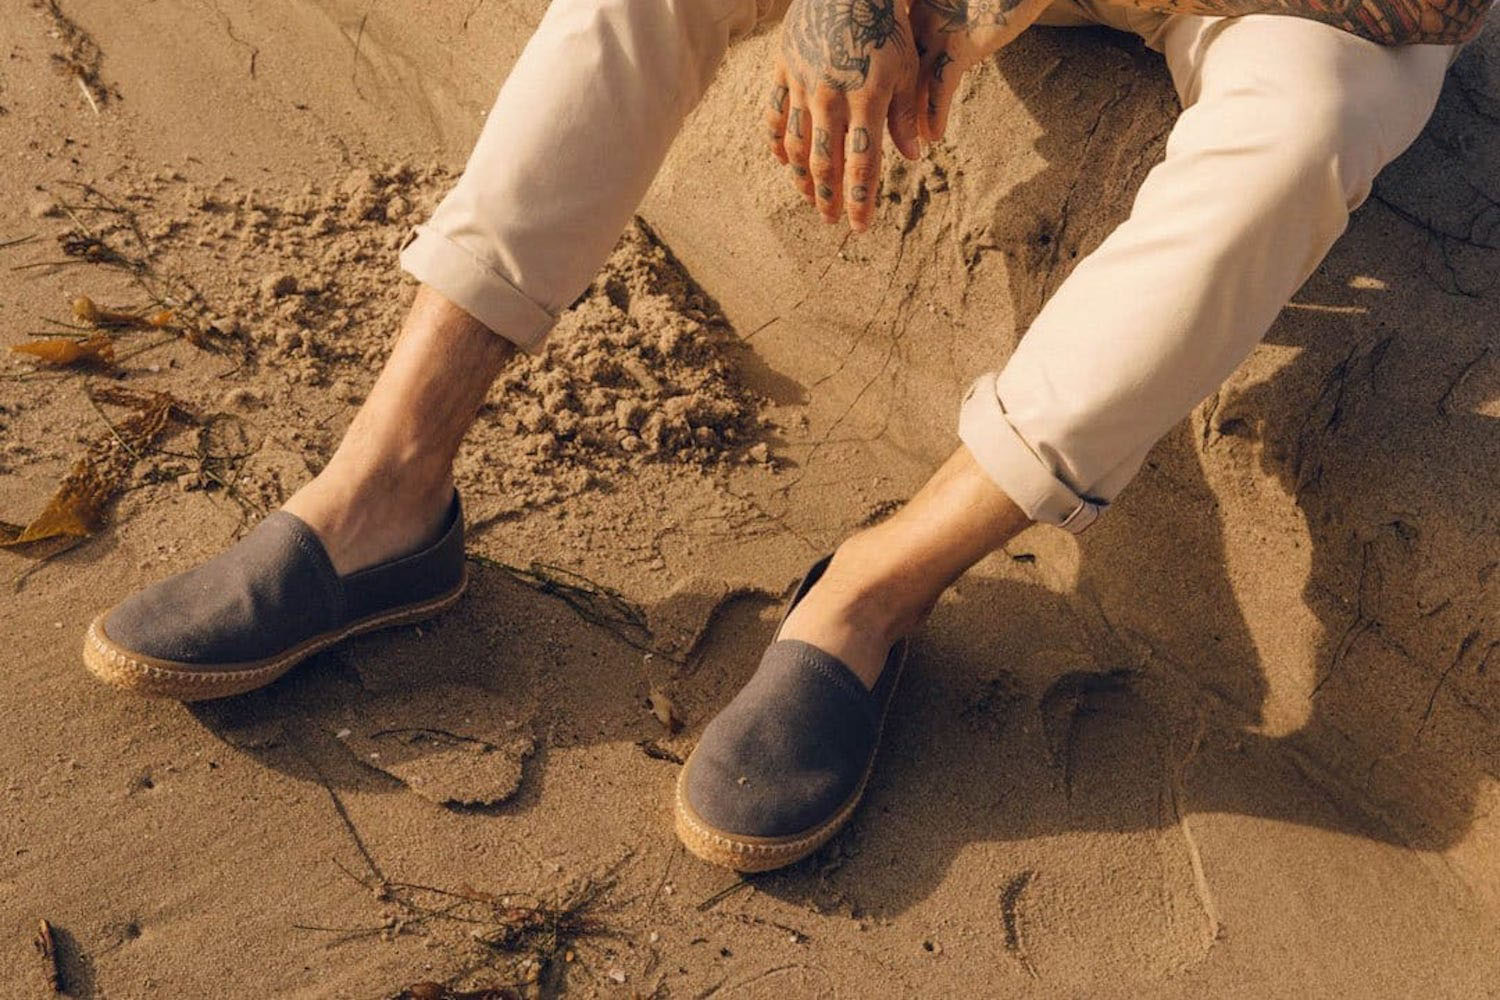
pixel 846 68
pixel 952 36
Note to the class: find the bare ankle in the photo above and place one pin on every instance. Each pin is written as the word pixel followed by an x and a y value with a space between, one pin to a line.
pixel 880 592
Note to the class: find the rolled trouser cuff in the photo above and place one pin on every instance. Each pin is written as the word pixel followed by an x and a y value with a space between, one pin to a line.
pixel 476 288
pixel 1006 457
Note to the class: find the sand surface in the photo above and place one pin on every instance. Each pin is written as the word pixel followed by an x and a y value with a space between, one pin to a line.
pixel 1240 740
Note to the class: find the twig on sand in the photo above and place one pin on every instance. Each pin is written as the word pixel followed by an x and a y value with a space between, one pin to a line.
pixel 359 37
pixel 1010 915
pixel 666 871
pixel 722 894
pixel 46 946
pixel 593 602
pixel 343 814
pixel 88 94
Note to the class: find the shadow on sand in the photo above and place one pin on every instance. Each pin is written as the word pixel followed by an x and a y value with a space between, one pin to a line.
pixel 1030 712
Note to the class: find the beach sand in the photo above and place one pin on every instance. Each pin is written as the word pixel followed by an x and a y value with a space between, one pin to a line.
pixel 1241 739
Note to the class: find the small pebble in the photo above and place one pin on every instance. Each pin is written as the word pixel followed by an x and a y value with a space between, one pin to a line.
pixel 274 286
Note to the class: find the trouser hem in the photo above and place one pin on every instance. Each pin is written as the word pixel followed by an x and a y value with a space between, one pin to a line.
pixel 476 288
pixel 1015 467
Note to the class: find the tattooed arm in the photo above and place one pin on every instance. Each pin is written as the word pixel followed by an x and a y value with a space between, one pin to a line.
pixel 1389 22
pixel 955 34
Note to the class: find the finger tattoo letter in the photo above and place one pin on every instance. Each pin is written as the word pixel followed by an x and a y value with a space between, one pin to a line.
pixel 859 139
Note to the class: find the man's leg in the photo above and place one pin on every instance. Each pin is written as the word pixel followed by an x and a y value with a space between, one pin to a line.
pixel 388 485
pixel 569 149
pixel 1286 124
pixel 579 129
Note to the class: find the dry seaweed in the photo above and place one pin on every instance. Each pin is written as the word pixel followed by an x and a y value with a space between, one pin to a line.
pixel 85 309
pixel 77 507
pixel 79 56
pixel 437 991
pixel 533 937
pixel 593 602
pixel 97 349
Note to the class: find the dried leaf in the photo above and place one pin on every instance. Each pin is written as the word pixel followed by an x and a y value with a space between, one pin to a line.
pixel 98 348
pixel 77 508
pixel 46 947
pixel 661 706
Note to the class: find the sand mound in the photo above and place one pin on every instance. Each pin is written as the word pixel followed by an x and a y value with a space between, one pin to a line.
pixel 634 373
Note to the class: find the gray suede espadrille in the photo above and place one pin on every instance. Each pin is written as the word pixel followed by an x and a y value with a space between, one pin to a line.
pixel 782 767
pixel 259 608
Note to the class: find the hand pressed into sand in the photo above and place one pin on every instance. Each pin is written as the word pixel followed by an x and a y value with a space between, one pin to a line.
pixel 845 69
pixel 952 37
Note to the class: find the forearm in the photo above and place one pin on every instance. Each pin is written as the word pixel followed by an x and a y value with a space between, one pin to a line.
pixel 1389 22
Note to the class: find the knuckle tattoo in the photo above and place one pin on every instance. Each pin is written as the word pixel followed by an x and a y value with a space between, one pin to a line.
pixel 778 98
pixel 794 123
pixel 859 193
pixel 825 192
pixel 820 142
pixel 859 139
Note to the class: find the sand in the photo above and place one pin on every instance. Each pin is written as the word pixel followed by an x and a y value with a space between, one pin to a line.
pixel 1241 739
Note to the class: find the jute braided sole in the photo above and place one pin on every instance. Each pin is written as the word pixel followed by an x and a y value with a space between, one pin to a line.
pixel 147 675
pixel 742 853
pixel 753 854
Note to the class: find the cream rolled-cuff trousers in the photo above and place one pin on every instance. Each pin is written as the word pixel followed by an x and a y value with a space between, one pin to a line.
pixel 1285 124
